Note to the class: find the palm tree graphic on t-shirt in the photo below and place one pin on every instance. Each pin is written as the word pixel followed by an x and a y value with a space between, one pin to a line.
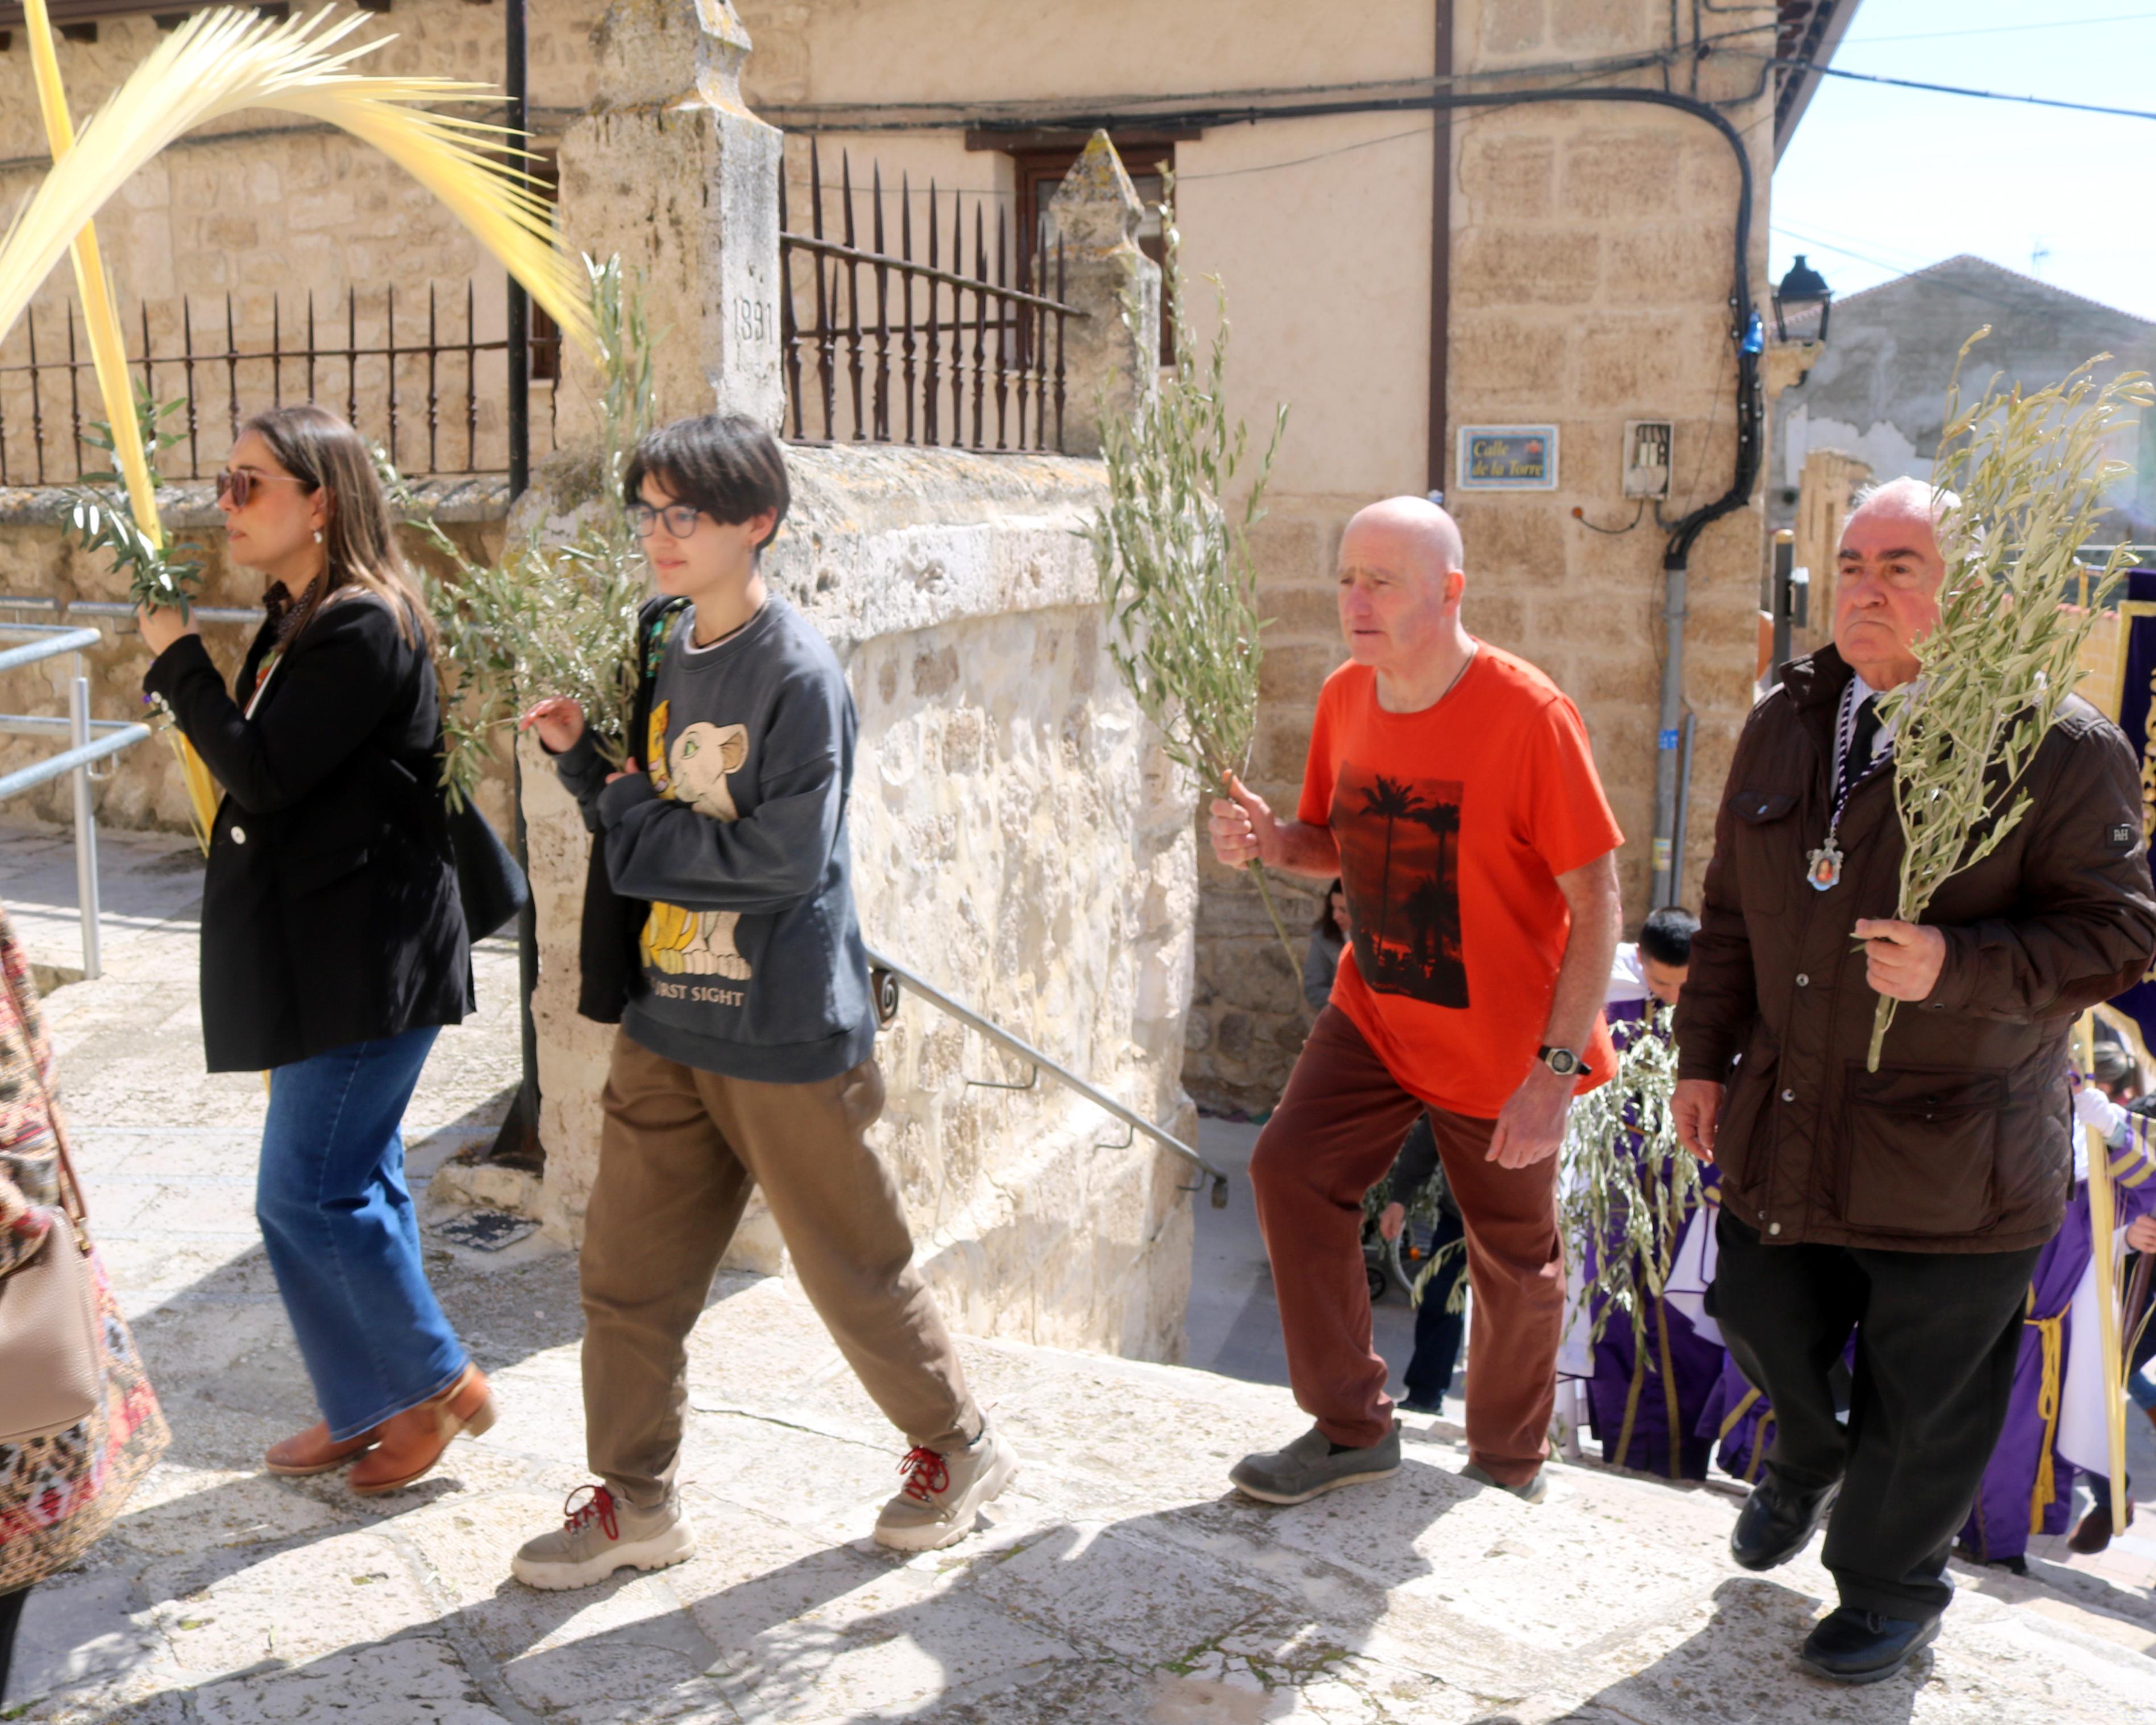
pixel 1391 802
pixel 1398 843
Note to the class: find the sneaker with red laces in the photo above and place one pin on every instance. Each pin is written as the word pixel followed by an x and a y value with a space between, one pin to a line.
pixel 600 1535
pixel 943 1491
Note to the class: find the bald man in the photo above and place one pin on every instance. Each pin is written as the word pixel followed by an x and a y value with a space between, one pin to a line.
pixel 1906 1206
pixel 1450 787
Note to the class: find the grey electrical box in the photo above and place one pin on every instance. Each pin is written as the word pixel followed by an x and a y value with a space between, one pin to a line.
pixel 1647 457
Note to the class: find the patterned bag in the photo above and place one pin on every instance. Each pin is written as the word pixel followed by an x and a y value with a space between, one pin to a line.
pixel 60 1491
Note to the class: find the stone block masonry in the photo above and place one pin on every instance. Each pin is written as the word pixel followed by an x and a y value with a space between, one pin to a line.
pixel 1591 260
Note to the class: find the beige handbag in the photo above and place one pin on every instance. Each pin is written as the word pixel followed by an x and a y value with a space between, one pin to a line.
pixel 52 1371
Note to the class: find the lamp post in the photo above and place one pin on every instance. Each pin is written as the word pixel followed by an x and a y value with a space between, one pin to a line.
pixel 1802 288
pixel 1801 291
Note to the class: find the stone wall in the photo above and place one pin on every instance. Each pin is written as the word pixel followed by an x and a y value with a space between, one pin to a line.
pixel 1018 841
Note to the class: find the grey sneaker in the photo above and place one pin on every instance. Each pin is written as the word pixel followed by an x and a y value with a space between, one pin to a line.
pixel 1307 1467
pixel 1533 1492
pixel 601 1535
pixel 942 1492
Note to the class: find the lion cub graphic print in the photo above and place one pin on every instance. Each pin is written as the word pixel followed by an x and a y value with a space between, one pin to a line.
pixel 694 771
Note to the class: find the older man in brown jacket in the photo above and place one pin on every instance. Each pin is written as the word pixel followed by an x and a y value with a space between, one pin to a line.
pixel 1905 1205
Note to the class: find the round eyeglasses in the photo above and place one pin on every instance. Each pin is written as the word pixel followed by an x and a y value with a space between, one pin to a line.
pixel 680 519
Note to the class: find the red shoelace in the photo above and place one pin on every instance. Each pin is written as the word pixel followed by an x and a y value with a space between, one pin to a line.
pixel 598 1507
pixel 926 1475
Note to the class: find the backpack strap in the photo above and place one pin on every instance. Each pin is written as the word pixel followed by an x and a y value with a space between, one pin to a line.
pixel 655 626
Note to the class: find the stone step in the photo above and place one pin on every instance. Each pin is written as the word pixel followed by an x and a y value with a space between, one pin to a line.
pixel 1119 1578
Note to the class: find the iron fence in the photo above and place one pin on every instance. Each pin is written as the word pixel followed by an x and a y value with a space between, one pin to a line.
pixel 883 346
pixel 412 375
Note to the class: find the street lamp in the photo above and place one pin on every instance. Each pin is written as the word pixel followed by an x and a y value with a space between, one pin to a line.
pixel 1801 289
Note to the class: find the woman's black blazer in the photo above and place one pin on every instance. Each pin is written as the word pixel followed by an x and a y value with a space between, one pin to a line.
pixel 329 908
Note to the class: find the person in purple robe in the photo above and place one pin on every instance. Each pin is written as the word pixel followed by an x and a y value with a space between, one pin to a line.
pixel 2028 1487
pixel 1643 1405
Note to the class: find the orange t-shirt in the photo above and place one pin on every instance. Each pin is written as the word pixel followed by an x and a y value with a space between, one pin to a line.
pixel 1453 824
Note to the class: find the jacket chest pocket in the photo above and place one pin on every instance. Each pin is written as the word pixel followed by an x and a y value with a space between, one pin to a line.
pixel 1769 848
pixel 1919 1150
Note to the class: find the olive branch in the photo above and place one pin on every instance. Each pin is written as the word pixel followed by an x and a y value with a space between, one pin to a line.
pixel 101 516
pixel 2031 469
pixel 1174 559
pixel 1629 1186
pixel 549 619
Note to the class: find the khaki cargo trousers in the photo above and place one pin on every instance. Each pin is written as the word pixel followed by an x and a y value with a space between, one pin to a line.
pixel 680 1152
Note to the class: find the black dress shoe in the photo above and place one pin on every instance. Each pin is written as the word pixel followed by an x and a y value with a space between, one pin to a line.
pixel 1776 1523
pixel 1851 1645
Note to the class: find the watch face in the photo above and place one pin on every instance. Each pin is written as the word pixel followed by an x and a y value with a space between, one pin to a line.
pixel 1562 1061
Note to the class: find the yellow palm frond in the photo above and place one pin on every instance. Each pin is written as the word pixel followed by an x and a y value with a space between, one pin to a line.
pixel 230 59
pixel 106 348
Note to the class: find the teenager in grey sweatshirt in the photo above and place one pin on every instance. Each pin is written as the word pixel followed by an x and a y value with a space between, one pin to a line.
pixel 745 1053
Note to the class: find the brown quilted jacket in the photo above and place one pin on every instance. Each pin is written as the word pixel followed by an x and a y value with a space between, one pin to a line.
pixel 1959 1143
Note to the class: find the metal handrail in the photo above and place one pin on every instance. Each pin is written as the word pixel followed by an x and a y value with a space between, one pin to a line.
pixel 885 976
pixel 111 608
pixel 29 778
pixel 49 640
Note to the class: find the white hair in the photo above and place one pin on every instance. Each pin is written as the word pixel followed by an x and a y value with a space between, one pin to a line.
pixel 1909 494
pixel 1950 522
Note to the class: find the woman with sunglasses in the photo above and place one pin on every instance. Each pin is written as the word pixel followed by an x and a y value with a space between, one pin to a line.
pixel 334 947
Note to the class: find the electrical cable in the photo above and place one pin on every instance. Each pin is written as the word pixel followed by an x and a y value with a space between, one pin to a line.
pixel 1986 95
pixel 1639 515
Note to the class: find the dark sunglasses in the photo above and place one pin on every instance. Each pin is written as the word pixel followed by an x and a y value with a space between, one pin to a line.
pixel 238 483
pixel 680 519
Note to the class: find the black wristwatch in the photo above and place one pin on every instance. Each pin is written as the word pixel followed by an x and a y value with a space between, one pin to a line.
pixel 1564 1062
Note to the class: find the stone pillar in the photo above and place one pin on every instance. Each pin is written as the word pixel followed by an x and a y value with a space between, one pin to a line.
pixel 670 172
pixel 1110 356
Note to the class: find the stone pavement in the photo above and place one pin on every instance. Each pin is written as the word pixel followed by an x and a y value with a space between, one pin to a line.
pixel 1118 1581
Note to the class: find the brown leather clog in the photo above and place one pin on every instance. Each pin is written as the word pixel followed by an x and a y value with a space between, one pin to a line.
pixel 311 1452
pixel 408 1444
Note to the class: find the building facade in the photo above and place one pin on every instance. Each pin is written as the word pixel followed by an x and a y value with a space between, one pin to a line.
pixel 1539 261
pixel 1878 391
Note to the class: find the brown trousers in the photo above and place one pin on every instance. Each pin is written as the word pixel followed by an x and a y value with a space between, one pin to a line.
pixel 1333 1136
pixel 678 1153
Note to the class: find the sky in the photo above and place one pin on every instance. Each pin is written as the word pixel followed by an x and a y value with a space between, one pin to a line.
pixel 1880 181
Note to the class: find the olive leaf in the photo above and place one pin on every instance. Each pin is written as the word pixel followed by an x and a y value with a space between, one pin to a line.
pixel 1173 554
pixel 549 619
pixel 2017 606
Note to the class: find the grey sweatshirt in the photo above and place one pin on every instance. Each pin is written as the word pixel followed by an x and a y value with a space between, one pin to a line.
pixel 752 959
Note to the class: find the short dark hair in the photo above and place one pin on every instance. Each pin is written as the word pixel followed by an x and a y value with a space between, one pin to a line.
pixel 1666 936
pixel 727 464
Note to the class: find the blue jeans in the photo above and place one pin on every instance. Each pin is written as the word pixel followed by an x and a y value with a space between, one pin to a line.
pixel 343 1241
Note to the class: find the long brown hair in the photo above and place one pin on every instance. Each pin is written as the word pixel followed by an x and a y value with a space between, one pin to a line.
pixel 359 537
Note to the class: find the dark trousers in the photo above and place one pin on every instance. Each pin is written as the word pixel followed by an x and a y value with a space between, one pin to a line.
pixel 11 1614
pixel 1937 1337
pixel 1438 1328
